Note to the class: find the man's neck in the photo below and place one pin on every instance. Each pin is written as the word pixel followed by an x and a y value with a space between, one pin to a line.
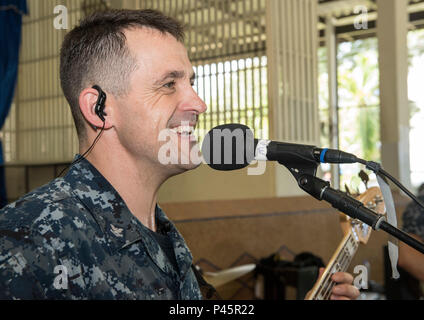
pixel 137 182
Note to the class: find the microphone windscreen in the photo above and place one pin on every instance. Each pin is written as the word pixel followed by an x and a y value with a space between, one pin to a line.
pixel 229 147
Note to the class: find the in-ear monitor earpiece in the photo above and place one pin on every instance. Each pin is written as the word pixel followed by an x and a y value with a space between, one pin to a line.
pixel 100 104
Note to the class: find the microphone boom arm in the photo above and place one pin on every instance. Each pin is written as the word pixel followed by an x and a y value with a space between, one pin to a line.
pixel 321 190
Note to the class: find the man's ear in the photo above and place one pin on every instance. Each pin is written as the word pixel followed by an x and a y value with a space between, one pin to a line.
pixel 87 103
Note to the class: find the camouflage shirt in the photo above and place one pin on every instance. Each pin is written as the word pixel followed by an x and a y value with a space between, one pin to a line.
pixel 75 238
pixel 413 218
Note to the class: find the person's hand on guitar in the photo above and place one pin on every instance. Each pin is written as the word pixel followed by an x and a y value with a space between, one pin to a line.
pixel 338 285
pixel 344 288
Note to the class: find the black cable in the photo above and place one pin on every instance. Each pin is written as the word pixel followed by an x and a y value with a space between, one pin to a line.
pixel 376 167
pixel 85 153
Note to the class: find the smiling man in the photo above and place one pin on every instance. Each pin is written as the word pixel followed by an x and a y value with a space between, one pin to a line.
pixel 98 233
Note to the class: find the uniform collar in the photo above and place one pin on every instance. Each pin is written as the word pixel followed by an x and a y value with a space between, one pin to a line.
pixel 116 220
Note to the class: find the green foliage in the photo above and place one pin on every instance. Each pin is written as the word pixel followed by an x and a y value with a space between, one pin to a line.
pixel 369 132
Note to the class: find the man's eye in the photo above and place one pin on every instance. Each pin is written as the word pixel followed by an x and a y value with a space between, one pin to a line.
pixel 170 85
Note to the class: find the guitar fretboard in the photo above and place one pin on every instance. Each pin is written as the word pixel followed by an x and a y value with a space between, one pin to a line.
pixel 339 263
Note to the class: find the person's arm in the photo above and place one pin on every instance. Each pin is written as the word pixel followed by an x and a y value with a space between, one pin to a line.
pixel 411 260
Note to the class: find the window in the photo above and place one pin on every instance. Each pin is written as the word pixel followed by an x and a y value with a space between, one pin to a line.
pixel 416 99
pixel 235 92
pixel 358 105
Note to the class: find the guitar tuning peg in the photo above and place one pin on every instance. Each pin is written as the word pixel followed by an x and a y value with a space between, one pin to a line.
pixel 364 177
pixel 347 189
pixel 378 198
pixel 371 205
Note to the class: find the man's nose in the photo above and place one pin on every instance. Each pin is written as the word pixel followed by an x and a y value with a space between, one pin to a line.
pixel 192 102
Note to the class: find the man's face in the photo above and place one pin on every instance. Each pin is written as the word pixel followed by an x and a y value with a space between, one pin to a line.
pixel 161 99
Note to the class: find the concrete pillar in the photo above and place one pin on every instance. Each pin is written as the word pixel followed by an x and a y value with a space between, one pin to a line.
pixel 292 40
pixel 392 27
pixel 331 44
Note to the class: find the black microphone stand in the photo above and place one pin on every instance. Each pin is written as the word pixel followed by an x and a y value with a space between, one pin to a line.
pixel 304 171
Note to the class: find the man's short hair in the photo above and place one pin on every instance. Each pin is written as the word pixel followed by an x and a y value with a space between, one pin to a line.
pixel 95 52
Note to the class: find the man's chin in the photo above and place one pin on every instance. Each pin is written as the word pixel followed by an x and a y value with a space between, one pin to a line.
pixel 180 168
pixel 189 166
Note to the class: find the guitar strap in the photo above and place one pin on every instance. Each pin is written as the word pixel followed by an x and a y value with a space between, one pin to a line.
pixel 391 218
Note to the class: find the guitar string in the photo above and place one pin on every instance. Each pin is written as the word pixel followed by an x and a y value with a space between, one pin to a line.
pixel 339 267
pixel 343 260
pixel 347 258
pixel 328 285
pixel 324 290
pixel 344 263
pixel 327 280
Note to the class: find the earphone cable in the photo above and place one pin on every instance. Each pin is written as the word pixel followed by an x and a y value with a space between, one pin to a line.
pixel 85 153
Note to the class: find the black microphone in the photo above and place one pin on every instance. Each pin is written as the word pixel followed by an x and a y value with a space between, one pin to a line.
pixel 229 147
pixel 233 146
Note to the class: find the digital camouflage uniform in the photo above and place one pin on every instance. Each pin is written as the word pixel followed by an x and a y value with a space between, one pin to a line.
pixel 413 219
pixel 78 226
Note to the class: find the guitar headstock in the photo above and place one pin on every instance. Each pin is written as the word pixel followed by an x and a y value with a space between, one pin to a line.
pixel 373 200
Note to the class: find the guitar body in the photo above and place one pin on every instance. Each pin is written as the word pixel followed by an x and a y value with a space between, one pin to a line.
pixel 355 232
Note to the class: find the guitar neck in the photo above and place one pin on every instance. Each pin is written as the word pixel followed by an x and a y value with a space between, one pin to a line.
pixel 339 262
